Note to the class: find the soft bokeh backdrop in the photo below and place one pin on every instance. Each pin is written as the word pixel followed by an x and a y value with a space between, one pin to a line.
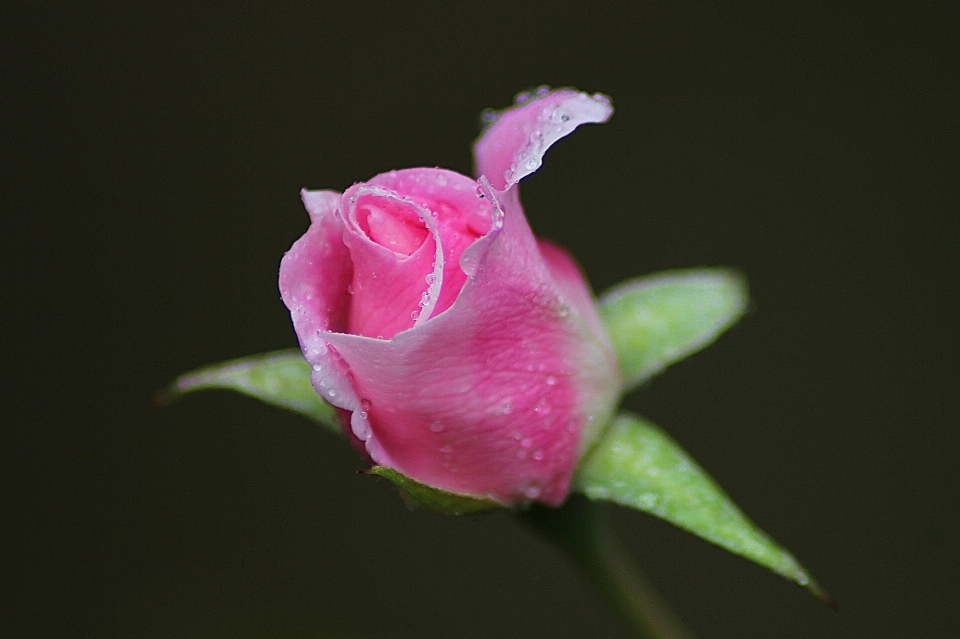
pixel 153 158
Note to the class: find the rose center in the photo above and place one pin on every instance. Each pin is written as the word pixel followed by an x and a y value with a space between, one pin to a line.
pixel 392 225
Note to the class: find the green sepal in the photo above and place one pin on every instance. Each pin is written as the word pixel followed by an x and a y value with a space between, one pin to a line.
pixel 280 378
pixel 659 319
pixel 638 465
pixel 435 498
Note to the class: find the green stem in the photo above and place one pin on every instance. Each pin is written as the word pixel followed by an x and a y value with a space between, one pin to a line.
pixel 581 529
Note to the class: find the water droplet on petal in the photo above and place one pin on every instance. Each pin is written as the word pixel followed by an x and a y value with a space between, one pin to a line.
pixel 365 404
pixel 489 116
pixel 526 442
pixel 541 407
pixel 532 492
pixel 437 426
pixel 551 380
pixel 317 367
pixel 538 454
pixel 430 278
pixel 446 450
pixel 523 96
pixel 414 314
pixel 332 393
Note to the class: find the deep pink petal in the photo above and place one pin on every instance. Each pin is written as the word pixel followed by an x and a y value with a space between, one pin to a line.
pixel 462 216
pixel 389 287
pixel 513 145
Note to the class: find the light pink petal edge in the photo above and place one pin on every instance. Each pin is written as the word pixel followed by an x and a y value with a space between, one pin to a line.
pixel 513 145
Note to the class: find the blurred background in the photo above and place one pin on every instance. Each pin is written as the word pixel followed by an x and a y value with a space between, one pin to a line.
pixel 153 156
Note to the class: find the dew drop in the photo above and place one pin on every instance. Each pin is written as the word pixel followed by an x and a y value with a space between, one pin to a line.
pixel 526 442
pixel 489 116
pixel 317 367
pixel 424 299
pixel 541 407
pixel 551 380
pixel 363 414
pixel 414 314
pixel 446 450
pixel 531 164
pixel 532 492
pixel 538 454
pixel 437 426
pixel 523 96
pixel 332 393
pixel 365 404
pixel 350 289
pixel 480 191
pixel 647 500
pixel 430 278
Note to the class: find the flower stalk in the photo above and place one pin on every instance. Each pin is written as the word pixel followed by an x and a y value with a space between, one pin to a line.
pixel 582 530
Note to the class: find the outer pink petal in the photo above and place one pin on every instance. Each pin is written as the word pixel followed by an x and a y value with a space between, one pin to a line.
pixel 314 276
pixel 596 354
pixel 486 398
pixel 513 145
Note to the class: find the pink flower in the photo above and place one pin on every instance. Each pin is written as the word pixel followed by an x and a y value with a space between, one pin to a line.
pixel 462 352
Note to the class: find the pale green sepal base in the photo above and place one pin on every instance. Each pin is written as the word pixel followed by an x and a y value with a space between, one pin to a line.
pixel 434 498
pixel 280 378
pixel 657 320
pixel 638 465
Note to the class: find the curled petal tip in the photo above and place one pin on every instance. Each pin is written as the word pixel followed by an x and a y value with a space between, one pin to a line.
pixel 514 142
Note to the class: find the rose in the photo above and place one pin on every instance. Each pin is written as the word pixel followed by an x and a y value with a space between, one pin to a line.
pixel 461 351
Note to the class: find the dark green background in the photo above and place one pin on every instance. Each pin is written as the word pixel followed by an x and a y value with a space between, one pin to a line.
pixel 153 158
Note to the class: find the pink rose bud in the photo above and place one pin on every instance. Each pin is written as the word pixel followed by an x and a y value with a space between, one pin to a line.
pixel 462 352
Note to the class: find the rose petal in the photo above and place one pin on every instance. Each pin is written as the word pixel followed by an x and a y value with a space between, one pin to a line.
pixel 482 399
pixel 389 288
pixel 513 145
pixel 318 298
pixel 461 215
